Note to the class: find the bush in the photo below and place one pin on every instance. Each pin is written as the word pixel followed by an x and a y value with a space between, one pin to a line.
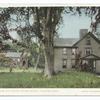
pixel 5 61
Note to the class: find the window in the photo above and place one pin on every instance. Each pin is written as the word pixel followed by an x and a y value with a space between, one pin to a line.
pixel 64 51
pixel 73 51
pixel 64 63
pixel 88 51
pixel 88 41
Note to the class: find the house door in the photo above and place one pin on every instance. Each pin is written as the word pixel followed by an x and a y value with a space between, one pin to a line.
pixel 91 65
pixel 94 65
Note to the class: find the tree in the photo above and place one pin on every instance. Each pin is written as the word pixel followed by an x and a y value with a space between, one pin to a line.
pixel 48 18
pixel 45 21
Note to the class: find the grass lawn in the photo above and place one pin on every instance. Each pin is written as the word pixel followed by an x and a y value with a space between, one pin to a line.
pixel 69 79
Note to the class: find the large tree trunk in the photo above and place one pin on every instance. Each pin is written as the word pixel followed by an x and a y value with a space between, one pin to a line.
pixel 49 65
pixel 47 36
pixel 49 55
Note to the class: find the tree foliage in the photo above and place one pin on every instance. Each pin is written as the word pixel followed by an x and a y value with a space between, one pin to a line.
pixel 45 21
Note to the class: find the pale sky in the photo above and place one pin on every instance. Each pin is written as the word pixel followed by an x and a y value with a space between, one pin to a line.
pixel 72 24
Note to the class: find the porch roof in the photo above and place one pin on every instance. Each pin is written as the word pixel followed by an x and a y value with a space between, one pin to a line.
pixel 91 56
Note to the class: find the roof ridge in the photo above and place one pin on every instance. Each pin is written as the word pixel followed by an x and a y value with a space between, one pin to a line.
pixel 67 38
pixel 90 33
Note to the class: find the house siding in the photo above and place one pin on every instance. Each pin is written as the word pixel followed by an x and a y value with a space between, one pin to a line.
pixel 94 45
pixel 58 59
pixel 81 45
pixel 98 67
pixel 95 50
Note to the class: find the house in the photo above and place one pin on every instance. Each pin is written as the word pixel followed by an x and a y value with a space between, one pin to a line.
pixel 15 56
pixel 8 59
pixel 66 49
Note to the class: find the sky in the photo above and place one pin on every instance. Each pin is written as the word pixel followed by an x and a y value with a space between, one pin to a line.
pixel 69 28
pixel 72 24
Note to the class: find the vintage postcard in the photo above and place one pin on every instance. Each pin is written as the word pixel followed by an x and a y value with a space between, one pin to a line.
pixel 49 50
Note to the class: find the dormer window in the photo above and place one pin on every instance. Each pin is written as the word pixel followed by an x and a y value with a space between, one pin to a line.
pixel 88 51
pixel 64 51
pixel 88 40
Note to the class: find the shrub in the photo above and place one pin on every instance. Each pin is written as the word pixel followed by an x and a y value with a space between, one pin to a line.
pixel 5 61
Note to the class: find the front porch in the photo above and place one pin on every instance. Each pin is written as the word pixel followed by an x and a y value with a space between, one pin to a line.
pixel 91 63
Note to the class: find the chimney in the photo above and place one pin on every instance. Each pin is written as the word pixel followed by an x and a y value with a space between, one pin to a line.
pixel 83 32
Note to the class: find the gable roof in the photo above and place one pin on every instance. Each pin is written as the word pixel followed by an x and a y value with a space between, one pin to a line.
pixel 92 35
pixel 65 42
